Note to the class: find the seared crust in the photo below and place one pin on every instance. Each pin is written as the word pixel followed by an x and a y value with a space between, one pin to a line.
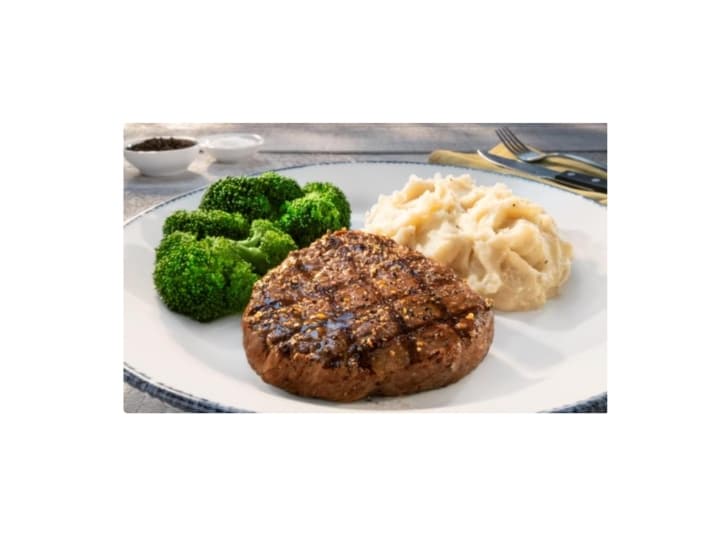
pixel 355 314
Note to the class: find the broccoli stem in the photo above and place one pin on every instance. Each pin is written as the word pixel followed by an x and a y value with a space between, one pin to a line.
pixel 254 255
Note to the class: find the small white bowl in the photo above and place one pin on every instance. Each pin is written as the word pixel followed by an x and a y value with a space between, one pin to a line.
pixel 162 162
pixel 231 147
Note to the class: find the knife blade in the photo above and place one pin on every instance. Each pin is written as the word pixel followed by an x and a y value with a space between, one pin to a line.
pixel 570 178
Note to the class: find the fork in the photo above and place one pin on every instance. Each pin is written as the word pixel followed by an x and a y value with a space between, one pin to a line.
pixel 524 153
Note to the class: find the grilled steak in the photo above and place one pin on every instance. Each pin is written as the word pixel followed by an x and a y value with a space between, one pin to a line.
pixel 356 314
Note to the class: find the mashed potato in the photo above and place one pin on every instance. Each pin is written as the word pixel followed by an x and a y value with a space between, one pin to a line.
pixel 507 248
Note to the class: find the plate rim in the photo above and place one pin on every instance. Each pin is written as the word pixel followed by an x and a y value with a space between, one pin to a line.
pixel 191 403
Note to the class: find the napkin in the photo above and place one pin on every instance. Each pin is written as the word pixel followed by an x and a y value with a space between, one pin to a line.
pixel 475 161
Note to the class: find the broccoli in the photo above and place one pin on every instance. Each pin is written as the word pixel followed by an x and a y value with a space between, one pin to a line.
pixel 266 247
pixel 255 198
pixel 278 189
pixel 205 269
pixel 207 223
pixel 336 196
pixel 171 242
pixel 236 194
pixel 311 216
pixel 203 279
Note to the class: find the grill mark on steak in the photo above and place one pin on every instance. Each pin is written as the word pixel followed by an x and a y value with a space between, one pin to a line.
pixel 461 331
pixel 406 340
pixel 351 300
pixel 358 351
pixel 342 321
pixel 337 319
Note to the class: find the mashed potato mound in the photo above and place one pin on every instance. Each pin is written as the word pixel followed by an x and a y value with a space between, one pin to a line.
pixel 507 248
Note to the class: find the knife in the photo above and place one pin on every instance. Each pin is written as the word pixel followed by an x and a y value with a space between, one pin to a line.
pixel 569 178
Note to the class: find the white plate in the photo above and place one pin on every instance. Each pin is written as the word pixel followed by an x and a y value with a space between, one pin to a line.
pixel 539 360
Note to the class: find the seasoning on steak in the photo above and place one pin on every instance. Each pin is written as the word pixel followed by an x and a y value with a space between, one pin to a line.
pixel 356 314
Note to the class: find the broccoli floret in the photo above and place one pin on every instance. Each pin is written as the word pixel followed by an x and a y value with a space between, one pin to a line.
pixel 337 197
pixel 266 246
pixel 172 242
pixel 207 223
pixel 278 189
pixel 203 279
pixel 309 217
pixel 236 194
pixel 255 198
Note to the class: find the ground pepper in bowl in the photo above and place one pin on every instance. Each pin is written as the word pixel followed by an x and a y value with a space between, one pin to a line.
pixel 157 144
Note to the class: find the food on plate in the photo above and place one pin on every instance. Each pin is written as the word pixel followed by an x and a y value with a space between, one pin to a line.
pixel 207 223
pixel 356 314
pixel 160 144
pixel 305 213
pixel 203 279
pixel 210 277
pixel 266 246
pixel 260 197
pixel 210 257
pixel 335 195
pixel 322 208
pixel 506 247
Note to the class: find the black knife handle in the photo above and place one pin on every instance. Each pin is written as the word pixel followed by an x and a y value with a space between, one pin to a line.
pixel 582 181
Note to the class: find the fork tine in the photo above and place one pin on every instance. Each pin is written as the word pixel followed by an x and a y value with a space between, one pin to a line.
pixel 518 143
pixel 501 136
pixel 506 140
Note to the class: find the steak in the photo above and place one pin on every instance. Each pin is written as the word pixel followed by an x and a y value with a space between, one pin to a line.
pixel 356 315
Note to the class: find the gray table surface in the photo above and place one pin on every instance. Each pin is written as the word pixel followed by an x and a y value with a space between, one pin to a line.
pixel 301 144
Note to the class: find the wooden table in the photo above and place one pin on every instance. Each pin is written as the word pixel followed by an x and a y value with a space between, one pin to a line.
pixel 300 144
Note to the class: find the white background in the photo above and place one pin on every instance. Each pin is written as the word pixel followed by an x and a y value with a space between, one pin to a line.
pixel 74 73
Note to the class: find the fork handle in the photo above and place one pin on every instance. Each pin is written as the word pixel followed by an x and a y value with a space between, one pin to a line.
pixel 581 159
